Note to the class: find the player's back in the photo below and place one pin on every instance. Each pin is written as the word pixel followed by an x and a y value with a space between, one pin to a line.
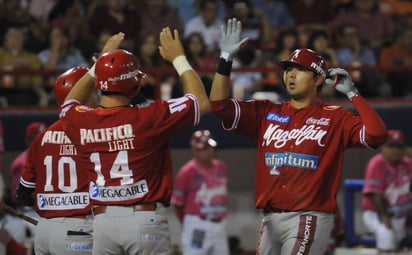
pixel 54 170
pixel 127 148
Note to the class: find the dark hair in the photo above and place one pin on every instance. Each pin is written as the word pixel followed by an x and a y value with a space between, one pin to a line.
pixel 315 35
pixel 188 39
pixel 281 36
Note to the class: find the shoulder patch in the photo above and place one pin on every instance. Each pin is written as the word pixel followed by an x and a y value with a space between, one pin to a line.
pixel 331 107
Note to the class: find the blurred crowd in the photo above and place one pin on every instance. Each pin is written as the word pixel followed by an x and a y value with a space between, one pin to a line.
pixel 42 38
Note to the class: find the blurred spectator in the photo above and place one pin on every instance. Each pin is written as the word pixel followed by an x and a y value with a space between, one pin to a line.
pixel 158 14
pixel 255 23
pixel 5 23
pixel 40 9
pixel 311 12
pixel 245 83
pixel 188 9
pixel 149 58
pixel 319 41
pixel 395 8
pixel 69 15
pixel 20 89
pixel 286 42
pixel 353 53
pixel 277 12
pixel 199 58
pixel 117 16
pixel 207 23
pixel 17 12
pixel 375 28
pixel 60 55
pixel 399 54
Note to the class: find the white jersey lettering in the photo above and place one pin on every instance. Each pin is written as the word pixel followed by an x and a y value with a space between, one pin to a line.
pixel 280 137
pixel 106 134
pixel 55 137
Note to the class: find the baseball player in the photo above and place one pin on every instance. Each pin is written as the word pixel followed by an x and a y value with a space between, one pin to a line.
pixel 300 146
pixel 32 130
pixel 130 169
pixel 54 177
pixel 200 199
pixel 387 200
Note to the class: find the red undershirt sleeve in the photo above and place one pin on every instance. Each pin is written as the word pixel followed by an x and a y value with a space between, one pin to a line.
pixel 375 129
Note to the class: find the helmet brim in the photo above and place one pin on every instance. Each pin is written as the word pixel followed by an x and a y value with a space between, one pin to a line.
pixel 286 64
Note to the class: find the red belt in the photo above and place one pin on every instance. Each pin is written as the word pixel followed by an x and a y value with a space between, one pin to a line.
pixel 274 210
pixel 140 207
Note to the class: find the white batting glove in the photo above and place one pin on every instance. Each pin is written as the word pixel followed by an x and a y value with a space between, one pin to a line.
pixel 230 39
pixel 341 80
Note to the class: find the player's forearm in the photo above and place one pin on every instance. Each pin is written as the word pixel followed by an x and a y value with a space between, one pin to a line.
pixel 220 87
pixel 193 85
pixel 380 205
pixel 374 125
pixel 221 82
pixel 82 90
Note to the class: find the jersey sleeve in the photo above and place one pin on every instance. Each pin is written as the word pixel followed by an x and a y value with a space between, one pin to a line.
pixel 374 129
pixel 243 117
pixel 168 117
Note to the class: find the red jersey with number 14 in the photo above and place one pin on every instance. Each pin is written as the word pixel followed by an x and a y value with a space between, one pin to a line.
pixel 53 168
pixel 126 149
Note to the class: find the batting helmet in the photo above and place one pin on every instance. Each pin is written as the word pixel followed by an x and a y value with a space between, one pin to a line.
pixel 118 71
pixel 202 139
pixel 308 59
pixel 66 81
pixel 35 128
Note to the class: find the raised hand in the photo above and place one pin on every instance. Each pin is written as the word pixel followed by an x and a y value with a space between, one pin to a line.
pixel 341 80
pixel 230 39
pixel 170 45
pixel 113 42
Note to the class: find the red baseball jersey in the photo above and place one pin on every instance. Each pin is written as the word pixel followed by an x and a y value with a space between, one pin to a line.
pixel 53 168
pixel 299 151
pixel 126 150
pixel 391 181
pixel 202 190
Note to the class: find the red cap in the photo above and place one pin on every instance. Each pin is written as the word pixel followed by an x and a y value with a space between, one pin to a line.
pixel 201 139
pixel 395 137
pixel 34 128
pixel 308 59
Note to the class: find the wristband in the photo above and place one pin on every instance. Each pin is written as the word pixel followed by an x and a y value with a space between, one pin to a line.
pixel 91 71
pixel 181 64
pixel 224 67
pixel 226 56
pixel 352 93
